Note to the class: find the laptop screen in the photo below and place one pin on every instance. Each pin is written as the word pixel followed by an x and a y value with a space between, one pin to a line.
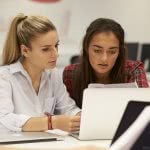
pixel 133 109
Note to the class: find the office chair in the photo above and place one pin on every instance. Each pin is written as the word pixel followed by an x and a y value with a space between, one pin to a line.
pixel 133 48
pixel 145 56
pixel 74 59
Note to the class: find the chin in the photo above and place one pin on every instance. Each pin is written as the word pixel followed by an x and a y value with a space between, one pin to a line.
pixel 102 71
pixel 51 67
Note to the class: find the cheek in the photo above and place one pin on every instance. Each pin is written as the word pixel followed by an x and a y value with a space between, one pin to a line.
pixel 38 58
pixel 113 61
pixel 91 57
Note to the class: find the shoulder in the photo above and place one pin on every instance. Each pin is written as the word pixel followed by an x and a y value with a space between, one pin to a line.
pixel 71 67
pixel 70 70
pixel 135 72
pixel 5 72
pixel 131 66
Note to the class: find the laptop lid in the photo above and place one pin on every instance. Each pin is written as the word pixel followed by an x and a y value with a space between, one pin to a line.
pixel 132 111
pixel 27 137
pixel 102 110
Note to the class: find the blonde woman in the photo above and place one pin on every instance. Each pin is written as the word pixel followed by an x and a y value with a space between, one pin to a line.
pixel 32 95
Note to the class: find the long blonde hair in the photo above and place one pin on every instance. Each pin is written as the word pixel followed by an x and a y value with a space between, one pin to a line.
pixel 22 30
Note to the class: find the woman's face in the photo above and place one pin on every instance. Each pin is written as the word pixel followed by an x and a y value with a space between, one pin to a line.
pixel 44 51
pixel 103 52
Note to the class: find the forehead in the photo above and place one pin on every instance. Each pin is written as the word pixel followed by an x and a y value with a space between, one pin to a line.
pixel 108 38
pixel 48 38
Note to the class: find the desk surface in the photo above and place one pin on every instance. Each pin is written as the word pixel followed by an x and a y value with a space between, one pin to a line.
pixel 69 142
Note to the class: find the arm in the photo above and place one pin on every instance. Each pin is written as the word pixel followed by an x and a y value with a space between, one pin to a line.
pixel 139 76
pixel 8 118
pixel 36 124
pixel 64 105
pixel 20 122
pixel 13 121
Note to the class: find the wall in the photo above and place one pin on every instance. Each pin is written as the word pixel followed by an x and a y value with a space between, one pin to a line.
pixel 72 17
pixel 133 15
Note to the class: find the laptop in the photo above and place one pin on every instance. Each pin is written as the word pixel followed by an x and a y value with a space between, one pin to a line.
pixel 133 109
pixel 103 108
pixel 27 137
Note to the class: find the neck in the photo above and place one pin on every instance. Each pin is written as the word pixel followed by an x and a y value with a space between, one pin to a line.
pixel 103 78
pixel 34 73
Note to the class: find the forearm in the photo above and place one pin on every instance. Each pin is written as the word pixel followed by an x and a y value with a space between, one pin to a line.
pixel 63 122
pixel 36 124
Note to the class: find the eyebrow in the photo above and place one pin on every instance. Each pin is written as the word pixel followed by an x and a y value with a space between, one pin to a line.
pixel 98 46
pixel 49 45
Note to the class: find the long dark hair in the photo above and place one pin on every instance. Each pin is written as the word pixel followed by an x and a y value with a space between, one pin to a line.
pixel 85 73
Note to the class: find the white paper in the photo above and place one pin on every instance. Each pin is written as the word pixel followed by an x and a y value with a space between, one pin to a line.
pixel 126 141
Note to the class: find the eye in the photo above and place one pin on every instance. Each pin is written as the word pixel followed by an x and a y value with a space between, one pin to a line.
pixel 97 50
pixel 56 46
pixel 112 52
pixel 45 49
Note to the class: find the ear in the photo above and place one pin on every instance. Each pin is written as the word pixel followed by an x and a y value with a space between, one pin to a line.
pixel 24 50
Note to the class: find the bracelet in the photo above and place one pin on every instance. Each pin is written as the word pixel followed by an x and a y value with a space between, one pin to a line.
pixel 49 116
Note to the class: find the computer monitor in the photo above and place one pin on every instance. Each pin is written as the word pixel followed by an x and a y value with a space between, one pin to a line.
pixel 145 56
pixel 132 50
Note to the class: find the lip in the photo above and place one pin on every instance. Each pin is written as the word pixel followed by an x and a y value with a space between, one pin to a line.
pixel 104 65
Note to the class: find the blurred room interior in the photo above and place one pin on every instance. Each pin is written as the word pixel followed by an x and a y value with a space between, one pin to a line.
pixel 72 17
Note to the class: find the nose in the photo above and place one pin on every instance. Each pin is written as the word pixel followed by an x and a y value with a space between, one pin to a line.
pixel 104 56
pixel 54 53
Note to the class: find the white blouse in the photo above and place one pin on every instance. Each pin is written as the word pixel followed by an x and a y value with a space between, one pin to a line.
pixel 19 101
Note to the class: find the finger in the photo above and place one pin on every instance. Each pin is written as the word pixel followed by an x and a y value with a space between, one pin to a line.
pixel 75 118
pixel 78 114
pixel 74 124
pixel 75 129
pixel 72 130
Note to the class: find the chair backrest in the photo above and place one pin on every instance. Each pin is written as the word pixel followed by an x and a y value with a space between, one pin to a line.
pixel 145 56
pixel 74 59
pixel 133 48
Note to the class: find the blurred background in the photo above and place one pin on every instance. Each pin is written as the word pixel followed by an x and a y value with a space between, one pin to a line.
pixel 72 17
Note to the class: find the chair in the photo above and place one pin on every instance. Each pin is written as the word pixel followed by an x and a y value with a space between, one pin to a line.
pixel 145 56
pixel 133 48
pixel 74 59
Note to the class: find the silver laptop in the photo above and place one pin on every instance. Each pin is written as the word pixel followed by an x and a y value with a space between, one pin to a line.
pixel 28 137
pixel 103 108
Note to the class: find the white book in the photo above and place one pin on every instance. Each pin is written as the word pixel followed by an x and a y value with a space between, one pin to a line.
pixel 117 85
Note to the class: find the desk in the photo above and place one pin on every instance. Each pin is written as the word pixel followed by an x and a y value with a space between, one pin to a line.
pixel 69 142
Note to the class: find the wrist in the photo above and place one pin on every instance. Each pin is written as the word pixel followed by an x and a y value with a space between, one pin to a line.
pixel 49 121
pixel 54 122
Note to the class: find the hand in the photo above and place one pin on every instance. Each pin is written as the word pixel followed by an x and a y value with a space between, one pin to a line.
pixel 66 123
pixel 78 114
